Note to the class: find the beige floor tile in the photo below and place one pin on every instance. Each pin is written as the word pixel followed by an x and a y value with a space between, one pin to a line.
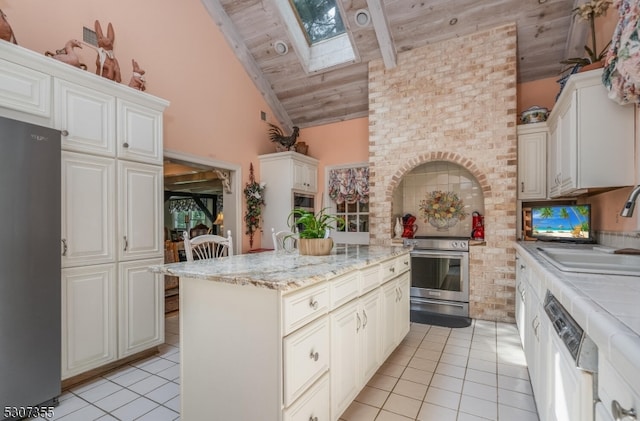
pixel 360 412
pixel 383 382
pixel 402 405
pixel 431 412
pixel 390 369
pixel 410 389
pixel 417 376
pixel 450 370
pixel 452 384
pixel 482 365
pixel 458 360
pixel 442 397
pixel 423 364
pixel 477 376
pixel 481 391
pixel 390 416
pixel 428 354
pixel 479 407
pixel 372 396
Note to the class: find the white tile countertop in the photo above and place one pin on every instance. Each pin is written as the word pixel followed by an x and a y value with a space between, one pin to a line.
pixel 281 270
pixel 607 307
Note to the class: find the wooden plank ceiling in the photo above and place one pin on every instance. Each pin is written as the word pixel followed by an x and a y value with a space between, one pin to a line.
pixel 546 35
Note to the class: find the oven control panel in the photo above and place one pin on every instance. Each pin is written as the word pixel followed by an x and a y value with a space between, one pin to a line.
pixel 438 243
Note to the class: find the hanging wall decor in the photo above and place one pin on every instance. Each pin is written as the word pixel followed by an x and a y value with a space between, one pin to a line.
pixel 254 195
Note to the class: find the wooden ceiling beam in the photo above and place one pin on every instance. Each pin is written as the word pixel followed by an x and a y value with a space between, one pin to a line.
pixel 235 41
pixel 383 33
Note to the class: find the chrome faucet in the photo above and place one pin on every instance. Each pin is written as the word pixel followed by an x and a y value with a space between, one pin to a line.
pixel 627 210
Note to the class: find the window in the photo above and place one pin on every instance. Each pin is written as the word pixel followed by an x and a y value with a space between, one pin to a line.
pixel 348 192
pixel 320 19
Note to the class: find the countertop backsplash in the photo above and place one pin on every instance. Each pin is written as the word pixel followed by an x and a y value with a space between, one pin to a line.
pixel 619 239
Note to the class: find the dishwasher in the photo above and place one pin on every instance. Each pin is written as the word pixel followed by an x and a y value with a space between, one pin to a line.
pixel 572 372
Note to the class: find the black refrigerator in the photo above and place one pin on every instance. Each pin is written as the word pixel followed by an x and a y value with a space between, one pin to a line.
pixel 30 277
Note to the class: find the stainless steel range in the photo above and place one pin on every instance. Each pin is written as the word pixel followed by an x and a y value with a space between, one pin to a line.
pixel 439 276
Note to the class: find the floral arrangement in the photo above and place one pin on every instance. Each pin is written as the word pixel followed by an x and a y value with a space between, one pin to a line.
pixel 441 205
pixel 589 11
pixel 253 193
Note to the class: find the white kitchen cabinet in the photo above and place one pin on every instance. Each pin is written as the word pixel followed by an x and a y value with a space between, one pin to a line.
pixel 140 221
pixel 112 200
pixel 284 173
pixel 355 348
pixel 86 117
pixel 532 161
pixel 305 175
pixel 595 137
pixel 88 214
pixel 140 307
pixel 395 320
pixel 139 132
pixel 24 90
pixel 88 318
pixel 615 391
pixel 553 163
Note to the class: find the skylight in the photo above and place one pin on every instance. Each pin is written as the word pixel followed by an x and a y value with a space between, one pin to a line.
pixel 320 19
pixel 317 33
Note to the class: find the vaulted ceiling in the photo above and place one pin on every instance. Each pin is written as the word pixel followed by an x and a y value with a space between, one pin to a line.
pixel 546 31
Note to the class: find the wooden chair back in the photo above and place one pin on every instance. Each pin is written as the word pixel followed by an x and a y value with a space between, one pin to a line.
pixel 207 246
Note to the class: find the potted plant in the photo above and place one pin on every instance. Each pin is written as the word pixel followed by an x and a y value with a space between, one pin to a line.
pixel 590 11
pixel 313 230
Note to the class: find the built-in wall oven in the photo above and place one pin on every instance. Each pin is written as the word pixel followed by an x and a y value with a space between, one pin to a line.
pixel 439 276
pixel 304 201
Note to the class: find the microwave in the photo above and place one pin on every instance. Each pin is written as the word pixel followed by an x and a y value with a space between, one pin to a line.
pixel 304 201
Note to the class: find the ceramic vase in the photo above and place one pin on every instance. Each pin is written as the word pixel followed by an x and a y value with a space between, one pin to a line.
pixel 397 230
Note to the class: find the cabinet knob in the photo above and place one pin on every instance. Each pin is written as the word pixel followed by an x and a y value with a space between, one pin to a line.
pixel 314 355
pixel 619 413
pixel 313 303
pixel 64 133
pixel 312 418
pixel 125 145
pixel 392 269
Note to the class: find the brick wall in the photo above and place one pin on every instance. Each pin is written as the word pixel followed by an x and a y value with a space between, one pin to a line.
pixel 453 101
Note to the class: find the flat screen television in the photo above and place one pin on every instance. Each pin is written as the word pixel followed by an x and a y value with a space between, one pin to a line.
pixel 566 223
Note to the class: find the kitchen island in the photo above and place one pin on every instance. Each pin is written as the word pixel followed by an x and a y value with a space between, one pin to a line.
pixel 280 336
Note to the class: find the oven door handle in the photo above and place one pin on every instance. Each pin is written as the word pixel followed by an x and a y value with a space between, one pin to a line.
pixel 439 254
pixel 438 302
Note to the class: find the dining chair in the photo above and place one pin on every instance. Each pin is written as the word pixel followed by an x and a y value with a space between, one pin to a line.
pixel 207 246
pixel 284 240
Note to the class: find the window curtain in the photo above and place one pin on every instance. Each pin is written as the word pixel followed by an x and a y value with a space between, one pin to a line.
pixel 621 73
pixel 349 185
pixel 183 205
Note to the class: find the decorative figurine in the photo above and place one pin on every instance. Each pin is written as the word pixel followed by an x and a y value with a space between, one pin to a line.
pixel 287 142
pixel 106 64
pixel 67 55
pixel 137 79
pixel 6 33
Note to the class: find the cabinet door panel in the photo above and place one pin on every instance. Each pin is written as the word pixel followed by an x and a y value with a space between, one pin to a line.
pixel 389 301
pixel 345 373
pixel 371 310
pixel 88 209
pixel 141 307
pixel 88 318
pixel 403 307
pixel 139 133
pixel 140 206
pixel 87 117
pixel 24 89
pixel 532 158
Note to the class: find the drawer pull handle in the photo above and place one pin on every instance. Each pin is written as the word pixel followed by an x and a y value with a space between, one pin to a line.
pixel 359 322
pixel 314 355
pixel 312 418
pixel 619 413
pixel 64 247
pixel 126 243
pixel 364 318
pixel 313 303
pixel 522 187
pixel 406 263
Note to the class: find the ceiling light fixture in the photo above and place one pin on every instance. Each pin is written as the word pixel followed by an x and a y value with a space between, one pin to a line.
pixel 362 17
pixel 281 47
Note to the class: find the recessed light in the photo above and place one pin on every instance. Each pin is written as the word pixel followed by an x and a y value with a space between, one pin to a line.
pixel 362 17
pixel 281 47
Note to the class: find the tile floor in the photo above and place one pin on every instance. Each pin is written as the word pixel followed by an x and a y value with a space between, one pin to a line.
pixel 440 374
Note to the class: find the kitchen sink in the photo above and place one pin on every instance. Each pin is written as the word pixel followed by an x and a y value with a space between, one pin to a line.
pixel 591 261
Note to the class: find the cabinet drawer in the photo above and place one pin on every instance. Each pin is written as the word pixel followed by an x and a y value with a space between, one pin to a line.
pixel 304 306
pixel 403 264
pixel 306 358
pixel 313 405
pixel 344 289
pixel 388 270
pixel 369 278
pixel 611 386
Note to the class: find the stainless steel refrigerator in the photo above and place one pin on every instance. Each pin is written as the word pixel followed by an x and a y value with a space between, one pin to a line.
pixel 30 303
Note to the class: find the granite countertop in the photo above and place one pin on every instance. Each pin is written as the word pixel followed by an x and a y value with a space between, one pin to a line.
pixel 281 270
pixel 606 306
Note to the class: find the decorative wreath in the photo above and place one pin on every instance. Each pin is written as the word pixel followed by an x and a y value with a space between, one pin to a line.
pixel 442 205
pixel 253 193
